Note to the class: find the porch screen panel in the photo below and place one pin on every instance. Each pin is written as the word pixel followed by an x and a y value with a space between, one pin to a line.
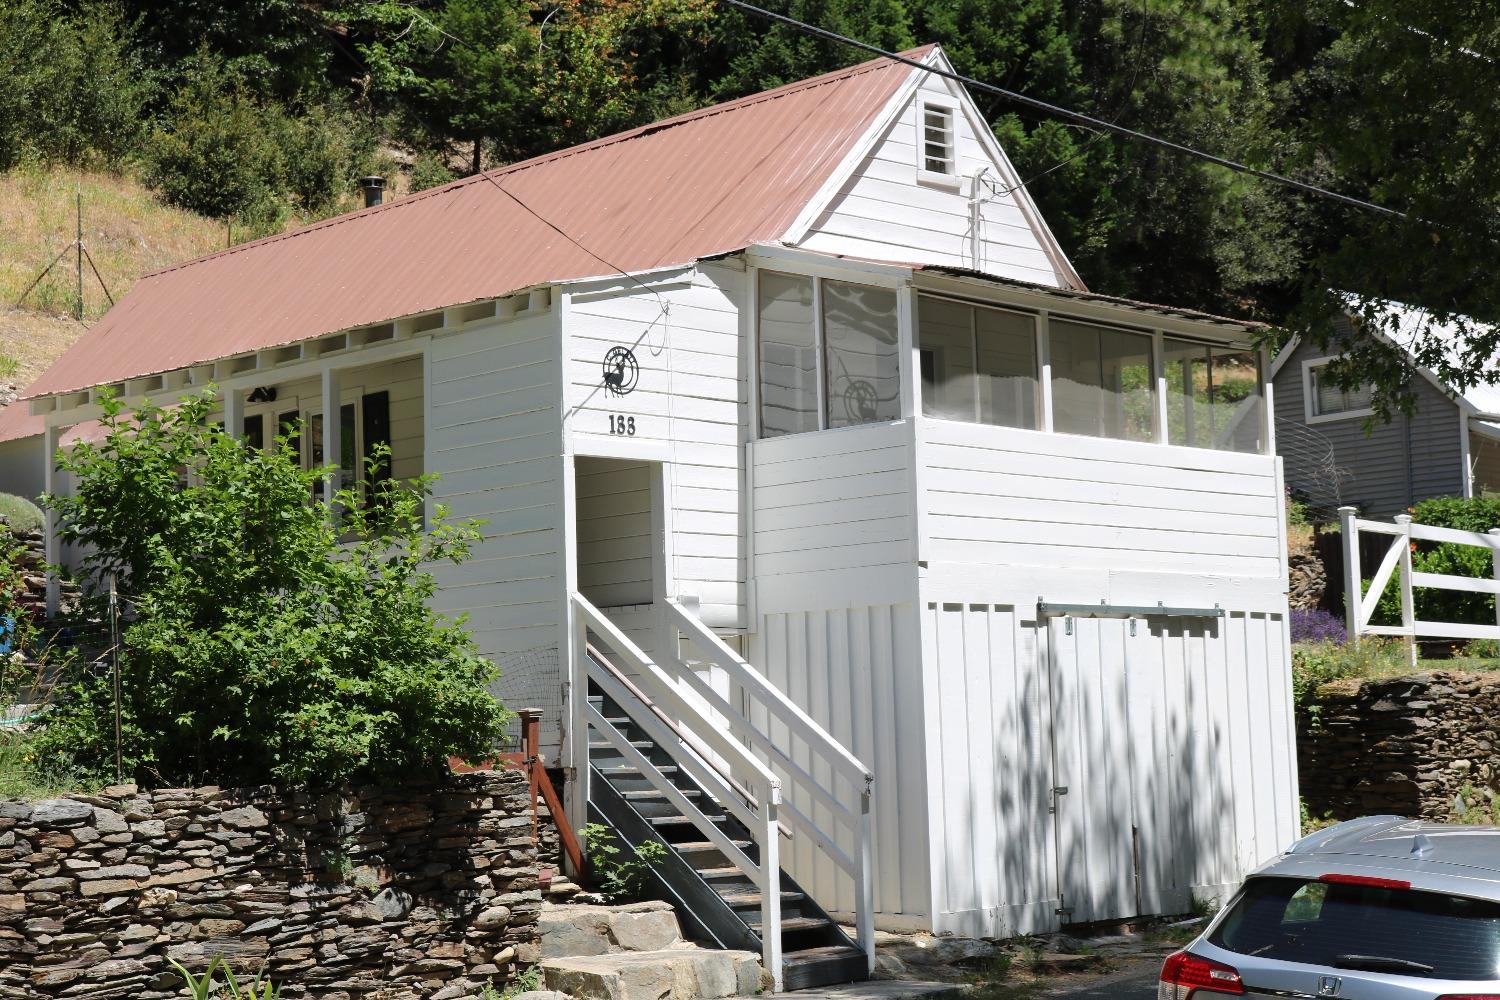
pixel 978 365
pixel 1007 382
pixel 864 363
pixel 788 355
pixel 945 340
pixel 1214 397
pixel 1101 381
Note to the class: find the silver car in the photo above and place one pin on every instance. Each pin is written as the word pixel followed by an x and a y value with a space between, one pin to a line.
pixel 1380 908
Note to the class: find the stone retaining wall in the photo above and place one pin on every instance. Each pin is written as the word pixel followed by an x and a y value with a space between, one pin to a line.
pixel 1412 746
pixel 373 894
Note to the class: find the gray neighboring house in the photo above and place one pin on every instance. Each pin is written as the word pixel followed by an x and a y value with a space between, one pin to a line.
pixel 1450 445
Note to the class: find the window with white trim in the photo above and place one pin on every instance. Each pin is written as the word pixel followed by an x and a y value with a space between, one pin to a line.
pixel 827 354
pixel 1326 399
pixel 937 140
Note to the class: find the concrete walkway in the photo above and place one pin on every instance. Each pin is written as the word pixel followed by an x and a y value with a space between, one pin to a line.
pixel 880 989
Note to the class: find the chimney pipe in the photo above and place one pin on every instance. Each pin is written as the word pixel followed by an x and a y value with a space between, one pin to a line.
pixel 374 188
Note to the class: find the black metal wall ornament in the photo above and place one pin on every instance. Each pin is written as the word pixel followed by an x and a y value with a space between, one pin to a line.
pixel 620 371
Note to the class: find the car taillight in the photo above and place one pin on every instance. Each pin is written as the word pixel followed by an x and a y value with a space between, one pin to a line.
pixel 1365 880
pixel 1184 975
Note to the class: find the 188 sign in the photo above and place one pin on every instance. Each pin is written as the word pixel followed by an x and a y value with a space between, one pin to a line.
pixel 621 424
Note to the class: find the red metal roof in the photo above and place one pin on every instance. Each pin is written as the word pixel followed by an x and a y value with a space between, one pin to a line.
pixel 703 183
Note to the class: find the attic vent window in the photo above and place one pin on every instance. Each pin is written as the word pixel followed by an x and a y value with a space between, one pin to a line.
pixel 937 140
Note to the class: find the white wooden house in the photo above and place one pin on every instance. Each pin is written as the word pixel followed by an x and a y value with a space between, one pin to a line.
pixel 958 591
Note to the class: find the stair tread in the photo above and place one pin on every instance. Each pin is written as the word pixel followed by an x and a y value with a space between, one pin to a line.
pixel 807 956
pixel 705 845
pixel 710 874
pixel 606 745
pixel 679 820
pixel 734 898
pixel 609 769
pixel 648 794
pixel 795 924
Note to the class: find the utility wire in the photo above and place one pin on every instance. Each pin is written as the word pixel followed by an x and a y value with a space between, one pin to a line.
pixel 1067 114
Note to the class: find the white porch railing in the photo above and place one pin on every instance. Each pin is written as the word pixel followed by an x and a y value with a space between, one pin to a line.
pixel 1360 605
pixel 750 791
pixel 852 816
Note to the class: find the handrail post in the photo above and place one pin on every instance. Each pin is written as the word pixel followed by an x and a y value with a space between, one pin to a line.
pixel 1350 538
pixel 578 721
pixel 531 744
pixel 864 903
pixel 770 899
pixel 1408 603
pixel 1494 534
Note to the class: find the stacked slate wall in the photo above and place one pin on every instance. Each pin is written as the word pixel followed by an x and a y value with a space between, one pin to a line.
pixel 1422 745
pixel 366 894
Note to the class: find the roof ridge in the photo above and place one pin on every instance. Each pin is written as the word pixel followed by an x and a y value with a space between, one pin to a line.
pixel 749 100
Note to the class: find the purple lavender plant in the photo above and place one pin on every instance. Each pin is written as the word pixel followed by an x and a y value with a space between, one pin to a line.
pixel 1316 625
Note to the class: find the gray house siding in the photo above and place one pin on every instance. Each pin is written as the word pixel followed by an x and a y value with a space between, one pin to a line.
pixel 1387 469
pixel 21 466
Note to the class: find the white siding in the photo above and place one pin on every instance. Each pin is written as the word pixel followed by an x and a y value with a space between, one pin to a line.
pixel 494 438
pixel 1174 745
pixel 854 670
pixel 833 516
pixel 689 405
pixel 1002 496
pixel 883 212
pixel 22 466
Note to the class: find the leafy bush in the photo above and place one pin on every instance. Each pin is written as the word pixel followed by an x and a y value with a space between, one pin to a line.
pixel 1316 625
pixel 1317 663
pixel 618 873
pixel 1477 514
pixel 262 644
pixel 20 513
pixel 429 172
pixel 206 987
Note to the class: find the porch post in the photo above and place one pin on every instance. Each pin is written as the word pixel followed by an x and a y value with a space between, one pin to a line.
pixel 1349 536
pixel 50 438
pixel 332 438
pixel 1494 534
pixel 234 412
pixel 1408 601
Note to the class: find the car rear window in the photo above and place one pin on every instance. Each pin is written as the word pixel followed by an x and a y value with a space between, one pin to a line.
pixel 1332 925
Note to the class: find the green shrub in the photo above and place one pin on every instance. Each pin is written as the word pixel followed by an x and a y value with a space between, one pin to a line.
pixel 206 986
pixel 20 513
pixel 429 172
pixel 263 644
pixel 619 873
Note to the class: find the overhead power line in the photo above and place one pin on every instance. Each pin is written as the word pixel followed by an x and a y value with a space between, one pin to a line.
pixel 1067 114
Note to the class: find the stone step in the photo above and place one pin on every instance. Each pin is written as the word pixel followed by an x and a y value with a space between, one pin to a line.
pixel 671 974
pixel 577 931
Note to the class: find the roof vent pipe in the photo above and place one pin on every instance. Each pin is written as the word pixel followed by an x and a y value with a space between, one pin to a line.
pixel 374 188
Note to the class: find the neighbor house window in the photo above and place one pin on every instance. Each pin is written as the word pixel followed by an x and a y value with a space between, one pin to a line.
pixel 1101 381
pixel 978 364
pixel 1214 397
pixel 1326 399
pixel 937 140
pixel 828 354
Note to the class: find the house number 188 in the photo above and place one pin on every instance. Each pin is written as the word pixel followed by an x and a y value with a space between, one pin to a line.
pixel 620 424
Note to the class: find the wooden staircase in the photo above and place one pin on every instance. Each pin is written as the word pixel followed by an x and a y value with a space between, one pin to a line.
pixel 715 899
pixel 661 756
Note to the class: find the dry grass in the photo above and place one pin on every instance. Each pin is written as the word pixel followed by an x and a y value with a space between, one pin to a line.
pixel 126 229
pixel 30 341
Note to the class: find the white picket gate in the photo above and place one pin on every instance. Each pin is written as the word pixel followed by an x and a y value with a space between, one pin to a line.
pixel 1360 604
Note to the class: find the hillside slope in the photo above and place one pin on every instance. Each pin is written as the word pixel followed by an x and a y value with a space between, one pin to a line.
pixel 127 231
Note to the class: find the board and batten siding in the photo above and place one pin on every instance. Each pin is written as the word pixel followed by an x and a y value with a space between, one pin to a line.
pixel 1015 497
pixel 495 439
pixel 1386 470
pixel 687 409
pixel 856 672
pixel 884 212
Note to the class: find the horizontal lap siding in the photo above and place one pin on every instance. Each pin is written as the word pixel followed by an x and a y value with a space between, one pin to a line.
pixel 496 443
pixel 614 531
pixel 690 399
pixel 22 466
pixel 1382 471
pixel 882 212
pixel 995 495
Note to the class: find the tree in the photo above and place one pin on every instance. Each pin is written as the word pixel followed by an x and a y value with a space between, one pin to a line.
pixel 264 640
pixel 1388 101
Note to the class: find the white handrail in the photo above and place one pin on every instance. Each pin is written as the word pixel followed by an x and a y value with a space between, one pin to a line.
pixel 841 761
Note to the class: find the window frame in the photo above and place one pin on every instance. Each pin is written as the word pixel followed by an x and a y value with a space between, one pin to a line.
pixel 1212 346
pixel 1041 414
pixel 1310 412
pixel 820 349
pixel 949 107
